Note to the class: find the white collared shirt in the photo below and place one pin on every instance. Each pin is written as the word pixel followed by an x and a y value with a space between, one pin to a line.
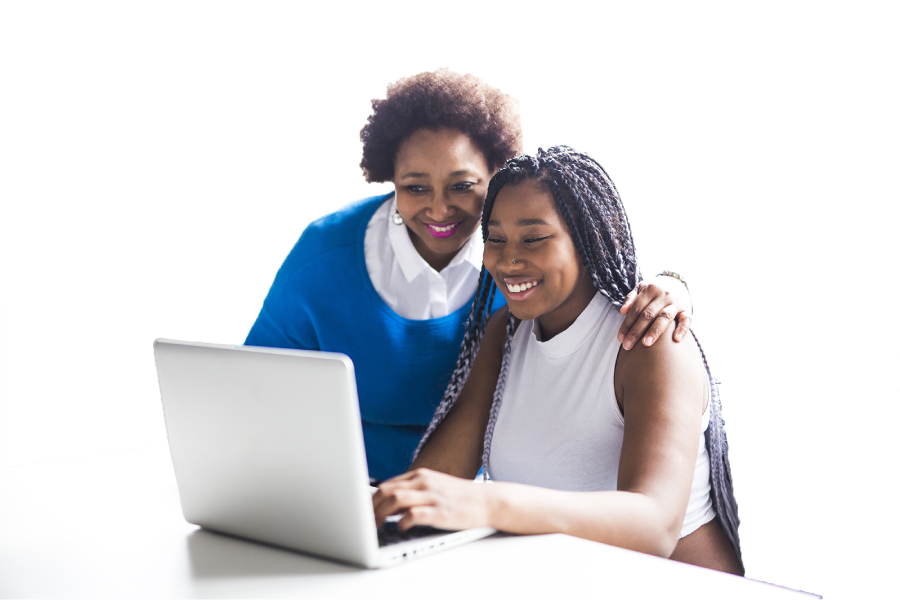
pixel 408 284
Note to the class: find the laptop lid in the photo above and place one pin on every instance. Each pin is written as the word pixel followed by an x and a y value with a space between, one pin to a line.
pixel 267 444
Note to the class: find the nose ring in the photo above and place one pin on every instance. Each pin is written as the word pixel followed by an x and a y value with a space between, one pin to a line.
pixel 514 262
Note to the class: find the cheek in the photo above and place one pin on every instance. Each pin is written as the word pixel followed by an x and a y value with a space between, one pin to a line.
pixel 477 205
pixel 576 269
pixel 568 267
pixel 489 259
pixel 409 206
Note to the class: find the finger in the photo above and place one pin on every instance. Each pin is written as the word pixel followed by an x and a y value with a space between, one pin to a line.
pixel 401 477
pixel 628 300
pixel 663 319
pixel 418 515
pixel 417 480
pixel 401 500
pixel 683 327
pixel 415 474
pixel 643 320
pixel 634 314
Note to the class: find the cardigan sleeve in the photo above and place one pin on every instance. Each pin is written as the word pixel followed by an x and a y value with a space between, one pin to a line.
pixel 291 311
pixel 283 321
pixel 275 327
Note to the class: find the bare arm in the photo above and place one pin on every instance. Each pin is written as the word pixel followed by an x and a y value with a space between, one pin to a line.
pixel 662 390
pixel 457 444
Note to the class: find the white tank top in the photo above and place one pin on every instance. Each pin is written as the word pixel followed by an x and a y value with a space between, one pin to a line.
pixel 559 425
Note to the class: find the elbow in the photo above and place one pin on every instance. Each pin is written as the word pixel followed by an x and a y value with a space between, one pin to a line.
pixel 664 544
pixel 669 535
pixel 664 536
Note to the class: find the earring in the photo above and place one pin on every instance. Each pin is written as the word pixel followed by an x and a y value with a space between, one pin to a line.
pixel 396 218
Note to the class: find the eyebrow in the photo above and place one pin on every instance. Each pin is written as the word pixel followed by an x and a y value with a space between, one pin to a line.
pixel 521 222
pixel 416 175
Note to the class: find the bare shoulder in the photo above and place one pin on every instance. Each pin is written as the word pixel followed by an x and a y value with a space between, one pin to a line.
pixel 664 365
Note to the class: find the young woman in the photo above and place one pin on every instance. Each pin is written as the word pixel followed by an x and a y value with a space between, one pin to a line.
pixel 579 436
pixel 389 280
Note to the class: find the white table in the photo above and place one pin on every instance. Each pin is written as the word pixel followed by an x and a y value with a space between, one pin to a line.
pixel 111 526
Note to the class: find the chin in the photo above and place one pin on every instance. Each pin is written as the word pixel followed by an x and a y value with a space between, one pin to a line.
pixel 521 312
pixel 446 245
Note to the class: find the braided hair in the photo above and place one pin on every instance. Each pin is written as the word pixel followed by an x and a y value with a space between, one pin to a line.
pixel 589 203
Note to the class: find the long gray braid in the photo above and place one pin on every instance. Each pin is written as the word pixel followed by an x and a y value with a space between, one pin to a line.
pixel 589 203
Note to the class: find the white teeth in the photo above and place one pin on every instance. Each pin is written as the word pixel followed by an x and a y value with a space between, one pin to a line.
pixel 515 288
pixel 443 229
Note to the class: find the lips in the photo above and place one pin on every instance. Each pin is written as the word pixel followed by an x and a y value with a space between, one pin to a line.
pixel 442 230
pixel 520 288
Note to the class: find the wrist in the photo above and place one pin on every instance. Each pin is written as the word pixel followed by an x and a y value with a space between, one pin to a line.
pixel 675 275
pixel 494 504
pixel 679 277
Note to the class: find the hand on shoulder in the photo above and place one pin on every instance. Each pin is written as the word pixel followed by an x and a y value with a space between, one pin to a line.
pixel 649 309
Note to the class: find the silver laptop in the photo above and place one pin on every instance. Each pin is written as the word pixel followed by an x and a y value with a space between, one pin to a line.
pixel 267 445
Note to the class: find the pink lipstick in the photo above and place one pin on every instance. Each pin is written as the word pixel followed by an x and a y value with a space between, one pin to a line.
pixel 442 231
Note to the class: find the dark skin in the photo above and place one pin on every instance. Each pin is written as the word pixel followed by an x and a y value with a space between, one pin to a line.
pixel 661 388
pixel 441 179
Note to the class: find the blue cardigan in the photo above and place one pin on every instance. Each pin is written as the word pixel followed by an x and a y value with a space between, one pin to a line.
pixel 322 299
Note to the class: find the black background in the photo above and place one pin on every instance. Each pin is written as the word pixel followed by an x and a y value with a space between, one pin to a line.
pixel 207 178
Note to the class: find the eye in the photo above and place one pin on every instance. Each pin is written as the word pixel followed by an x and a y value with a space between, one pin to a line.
pixel 536 240
pixel 495 240
pixel 416 189
pixel 463 186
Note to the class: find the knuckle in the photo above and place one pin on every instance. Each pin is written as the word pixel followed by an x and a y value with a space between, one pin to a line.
pixel 648 314
pixel 666 314
pixel 418 516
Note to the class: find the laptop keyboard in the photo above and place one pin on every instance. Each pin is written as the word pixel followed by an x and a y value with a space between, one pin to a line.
pixel 391 534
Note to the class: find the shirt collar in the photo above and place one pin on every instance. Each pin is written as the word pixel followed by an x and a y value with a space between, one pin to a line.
pixel 411 262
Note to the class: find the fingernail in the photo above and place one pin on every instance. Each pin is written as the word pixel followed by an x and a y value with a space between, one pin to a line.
pixel 648 340
pixel 627 344
pixel 620 337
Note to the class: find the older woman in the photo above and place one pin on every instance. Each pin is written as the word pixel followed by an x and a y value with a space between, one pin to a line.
pixel 389 280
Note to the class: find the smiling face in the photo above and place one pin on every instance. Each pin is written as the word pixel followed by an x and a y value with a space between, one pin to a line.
pixel 532 258
pixel 441 181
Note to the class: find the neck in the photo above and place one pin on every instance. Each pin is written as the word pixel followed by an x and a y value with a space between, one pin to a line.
pixel 561 318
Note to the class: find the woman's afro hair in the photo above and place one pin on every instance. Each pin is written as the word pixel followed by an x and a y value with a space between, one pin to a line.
pixel 438 99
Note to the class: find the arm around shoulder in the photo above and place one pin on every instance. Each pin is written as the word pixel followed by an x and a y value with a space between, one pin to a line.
pixel 457 444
